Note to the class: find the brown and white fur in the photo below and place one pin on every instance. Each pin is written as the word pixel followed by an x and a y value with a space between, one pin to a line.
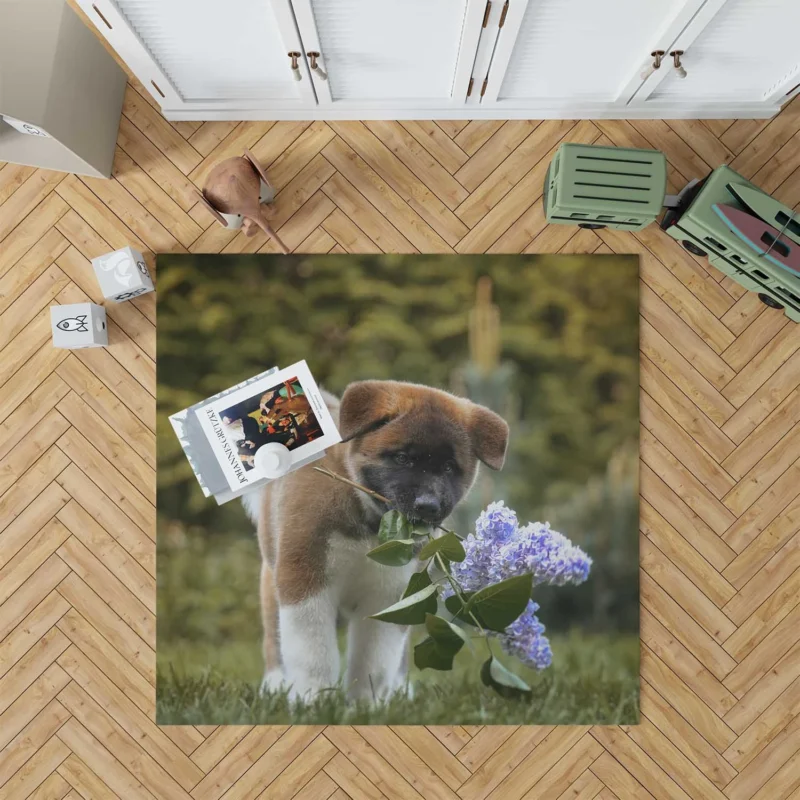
pixel 419 447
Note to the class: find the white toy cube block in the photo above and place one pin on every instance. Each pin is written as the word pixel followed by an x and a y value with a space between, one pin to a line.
pixel 122 274
pixel 78 325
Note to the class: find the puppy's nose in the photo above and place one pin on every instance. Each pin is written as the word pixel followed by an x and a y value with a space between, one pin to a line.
pixel 427 506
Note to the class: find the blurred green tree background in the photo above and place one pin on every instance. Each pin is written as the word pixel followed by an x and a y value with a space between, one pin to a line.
pixel 550 342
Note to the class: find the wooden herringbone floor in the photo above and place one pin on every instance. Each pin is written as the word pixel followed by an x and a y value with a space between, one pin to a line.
pixel 720 487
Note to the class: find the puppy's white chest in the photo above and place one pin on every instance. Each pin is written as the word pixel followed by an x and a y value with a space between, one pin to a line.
pixel 363 586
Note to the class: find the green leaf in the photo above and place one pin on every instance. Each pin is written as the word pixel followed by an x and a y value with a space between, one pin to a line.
pixel 393 526
pixel 442 645
pixel 498 605
pixel 502 680
pixel 419 580
pixel 448 545
pixel 421 529
pixel 394 553
pixel 410 610
pixel 458 610
pixel 448 637
pixel 428 655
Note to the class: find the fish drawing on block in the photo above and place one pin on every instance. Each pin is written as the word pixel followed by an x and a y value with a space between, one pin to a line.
pixel 761 237
pixel 77 324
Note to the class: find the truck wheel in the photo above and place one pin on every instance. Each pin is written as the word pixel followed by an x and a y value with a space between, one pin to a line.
pixel 693 249
pixel 769 301
pixel 592 226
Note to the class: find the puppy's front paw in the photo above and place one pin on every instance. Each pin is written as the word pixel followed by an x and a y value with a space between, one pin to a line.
pixel 303 695
pixel 307 690
pixel 378 690
pixel 273 681
pixel 407 689
pixel 361 691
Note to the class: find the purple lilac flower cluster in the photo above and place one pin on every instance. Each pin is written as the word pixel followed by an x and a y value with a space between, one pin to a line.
pixel 525 639
pixel 500 549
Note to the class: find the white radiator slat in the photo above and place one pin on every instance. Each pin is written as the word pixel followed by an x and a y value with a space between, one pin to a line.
pixel 212 50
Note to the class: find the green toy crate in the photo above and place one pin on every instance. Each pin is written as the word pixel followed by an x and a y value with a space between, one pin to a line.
pixel 598 187
pixel 702 232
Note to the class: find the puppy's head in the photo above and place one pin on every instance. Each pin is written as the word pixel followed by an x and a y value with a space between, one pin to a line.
pixel 418 447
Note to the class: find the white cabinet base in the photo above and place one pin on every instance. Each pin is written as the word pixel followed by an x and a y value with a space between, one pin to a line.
pixel 651 111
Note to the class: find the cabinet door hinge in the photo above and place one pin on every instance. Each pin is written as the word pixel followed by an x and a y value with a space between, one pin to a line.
pixel 486 13
pixel 503 15
pixel 469 88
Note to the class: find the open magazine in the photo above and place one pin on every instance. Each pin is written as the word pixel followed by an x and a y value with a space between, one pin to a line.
pixel 222 434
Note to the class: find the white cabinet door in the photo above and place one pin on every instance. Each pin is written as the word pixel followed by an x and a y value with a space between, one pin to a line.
pixel 578 54
pixel 735 51
pixel 206 53
pixel 377 54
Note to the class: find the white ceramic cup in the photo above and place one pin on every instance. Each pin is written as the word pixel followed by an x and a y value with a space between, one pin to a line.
pixel 273 460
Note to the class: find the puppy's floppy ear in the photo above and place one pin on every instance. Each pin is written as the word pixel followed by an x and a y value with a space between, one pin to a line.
pixel 489 434
pixel 366 406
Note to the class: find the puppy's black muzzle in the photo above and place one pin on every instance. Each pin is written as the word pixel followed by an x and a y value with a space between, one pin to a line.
pixel 428 508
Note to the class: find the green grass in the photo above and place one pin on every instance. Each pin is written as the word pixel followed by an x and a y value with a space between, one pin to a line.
pixel 593 680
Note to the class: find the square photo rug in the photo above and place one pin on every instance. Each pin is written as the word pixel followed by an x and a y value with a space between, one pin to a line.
pixel 454 537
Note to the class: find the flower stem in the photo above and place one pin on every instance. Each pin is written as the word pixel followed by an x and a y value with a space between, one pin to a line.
pixel 342 479
pixel 370 492
pixel 442 566
pixel 460 595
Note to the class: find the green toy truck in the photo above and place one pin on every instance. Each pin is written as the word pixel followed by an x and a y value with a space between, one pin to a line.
pixel 599 187
pixel 696 225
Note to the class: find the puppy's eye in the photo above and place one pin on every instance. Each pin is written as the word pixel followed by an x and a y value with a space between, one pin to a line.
pixel 449 466
pixel 402 459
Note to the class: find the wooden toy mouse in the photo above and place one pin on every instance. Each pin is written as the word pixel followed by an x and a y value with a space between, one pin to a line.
pixel 233 188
